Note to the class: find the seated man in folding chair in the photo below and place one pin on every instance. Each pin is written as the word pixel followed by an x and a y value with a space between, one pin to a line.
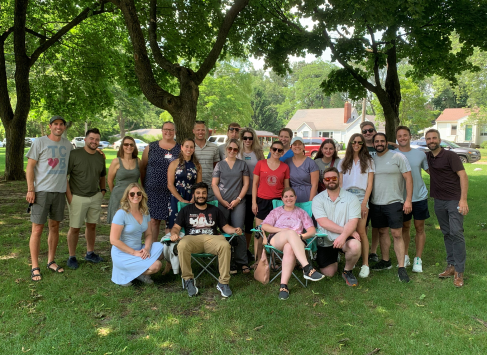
pixel 337 212
pixel 200 221
pixel 285 225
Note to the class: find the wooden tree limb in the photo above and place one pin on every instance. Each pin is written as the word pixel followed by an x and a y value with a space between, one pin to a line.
pixel 376 56
pixel 32 32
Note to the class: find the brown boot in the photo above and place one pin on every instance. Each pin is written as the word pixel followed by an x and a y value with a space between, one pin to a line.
pixel 458 281
pixel 449 272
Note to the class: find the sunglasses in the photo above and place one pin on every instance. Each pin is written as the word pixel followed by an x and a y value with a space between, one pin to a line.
pixel 248 138
pixel 359 142
pixel 230 149
pixel 128 144
pixel 132 194
pixel 370 130
pixel 277 150
pixel 333 178
pixel 236 129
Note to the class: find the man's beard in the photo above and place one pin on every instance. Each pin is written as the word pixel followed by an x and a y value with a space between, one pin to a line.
pixel 433 146
pixel 200 203
pixel 329 187
pixel 382 148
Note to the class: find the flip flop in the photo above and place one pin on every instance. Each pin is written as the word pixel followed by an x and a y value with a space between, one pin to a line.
pixel 56 270
pixel 32 275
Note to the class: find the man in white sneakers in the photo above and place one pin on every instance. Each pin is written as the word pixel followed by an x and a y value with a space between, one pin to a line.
pixel 417 160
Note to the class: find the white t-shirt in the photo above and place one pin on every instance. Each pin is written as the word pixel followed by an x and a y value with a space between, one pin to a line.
pixel 354 177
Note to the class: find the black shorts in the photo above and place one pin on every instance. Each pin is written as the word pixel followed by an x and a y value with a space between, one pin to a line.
pixel 328 255
pixel 420 211
pixel 249 215
pixel 383 216
pixel 264 206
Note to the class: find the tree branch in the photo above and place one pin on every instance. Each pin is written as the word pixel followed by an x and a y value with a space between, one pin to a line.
pixel 32 32
pixel 5 35
pixel 376 56
pixel 212 57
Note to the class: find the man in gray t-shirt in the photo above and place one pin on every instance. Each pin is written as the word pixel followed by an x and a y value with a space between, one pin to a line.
pixel 418 161
pixel 232 133
pixel 387 202
pixel 85 192
pixel 46 188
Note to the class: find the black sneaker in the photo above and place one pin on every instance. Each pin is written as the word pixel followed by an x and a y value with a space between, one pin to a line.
pixel 94 258
pixel 73 263
pixel 373 257
pixel 403 275
pixel 382 265
pixel 190 287
pixel 349 278
pixel 224 290
pixel 313 275
pixel 283 293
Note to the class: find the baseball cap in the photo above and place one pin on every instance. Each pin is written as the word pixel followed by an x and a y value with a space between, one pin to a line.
pixel 295 139
pixel 54 118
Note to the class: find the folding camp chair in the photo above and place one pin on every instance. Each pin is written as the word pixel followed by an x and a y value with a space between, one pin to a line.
pixel 205 260
pixel 276 253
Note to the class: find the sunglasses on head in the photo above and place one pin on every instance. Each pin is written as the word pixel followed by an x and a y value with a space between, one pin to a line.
pixel 357 142
pixel 370 130
pixel 132 194
pixel 248 138
pixel 232 149
pixel 128 144
pixel 279 150
pixel 236 129
pixel 333 178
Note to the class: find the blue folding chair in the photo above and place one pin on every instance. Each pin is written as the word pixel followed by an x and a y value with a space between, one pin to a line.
pixel 205 260
pixel 276 253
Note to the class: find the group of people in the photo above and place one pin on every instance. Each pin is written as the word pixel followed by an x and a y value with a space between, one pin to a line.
pixel 376 181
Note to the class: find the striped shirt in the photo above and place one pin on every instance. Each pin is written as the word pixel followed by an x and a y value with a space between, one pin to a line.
pixel 207 155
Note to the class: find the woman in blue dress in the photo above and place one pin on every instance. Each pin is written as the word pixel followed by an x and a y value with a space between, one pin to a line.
pixel 131 259
pixel 181 176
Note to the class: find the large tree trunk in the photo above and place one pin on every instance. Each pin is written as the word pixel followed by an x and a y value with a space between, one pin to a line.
pixel 185 115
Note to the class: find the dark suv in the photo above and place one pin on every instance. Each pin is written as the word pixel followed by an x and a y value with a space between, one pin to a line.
pixel 467 155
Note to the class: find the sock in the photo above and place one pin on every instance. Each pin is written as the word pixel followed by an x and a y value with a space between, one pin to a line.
pixel 307 268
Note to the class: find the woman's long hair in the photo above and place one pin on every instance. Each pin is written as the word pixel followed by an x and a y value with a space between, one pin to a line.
pixel 256 147
pixel 125 204
pixel 236 142
pixel 363 155
pixel 181 161
pixel 121 153
pixel 319 154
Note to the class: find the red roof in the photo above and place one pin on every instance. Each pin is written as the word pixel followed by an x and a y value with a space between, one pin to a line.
pixel 453 114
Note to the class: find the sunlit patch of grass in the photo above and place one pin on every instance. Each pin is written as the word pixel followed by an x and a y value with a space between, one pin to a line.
pixel 103 331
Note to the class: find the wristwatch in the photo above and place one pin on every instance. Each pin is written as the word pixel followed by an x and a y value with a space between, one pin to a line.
pixel 103 190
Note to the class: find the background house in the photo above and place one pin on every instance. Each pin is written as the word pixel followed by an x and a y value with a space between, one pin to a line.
pixel 453 125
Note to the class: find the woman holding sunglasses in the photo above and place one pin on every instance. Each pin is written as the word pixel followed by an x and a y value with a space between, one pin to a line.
pixel 132 260
pixel 230 183
pixel 327 157
pixel 357 176
pixel 271 176
pixel 182 174
pixel 123 170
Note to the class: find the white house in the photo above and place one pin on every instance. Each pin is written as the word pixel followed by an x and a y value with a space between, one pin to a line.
pixel 452 125
pixel 337 123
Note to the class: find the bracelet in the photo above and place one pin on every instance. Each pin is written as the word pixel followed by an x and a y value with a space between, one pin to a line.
pixel 31 191
pixel 239 198
pixel 103 190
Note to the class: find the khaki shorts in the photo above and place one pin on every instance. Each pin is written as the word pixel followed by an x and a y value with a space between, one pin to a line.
pixel 85 210
pixel 48 204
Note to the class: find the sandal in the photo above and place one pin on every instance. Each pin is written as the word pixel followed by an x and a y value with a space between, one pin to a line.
pixel 32 275
pixel 245 269
pixel 56 270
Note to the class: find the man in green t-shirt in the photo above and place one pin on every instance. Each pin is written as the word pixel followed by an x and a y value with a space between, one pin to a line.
pixel 85 192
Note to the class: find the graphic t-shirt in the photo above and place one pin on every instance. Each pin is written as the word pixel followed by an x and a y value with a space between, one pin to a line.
pixel 271 182
pixel 196 221
pixel 52 163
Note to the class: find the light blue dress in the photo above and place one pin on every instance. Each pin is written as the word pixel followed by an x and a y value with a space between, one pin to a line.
pixel 127 267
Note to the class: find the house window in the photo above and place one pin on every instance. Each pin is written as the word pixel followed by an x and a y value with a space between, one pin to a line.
pixel 324 134
pixel 483 131
pixel 295 134
pixel 453 130
pixel 305 134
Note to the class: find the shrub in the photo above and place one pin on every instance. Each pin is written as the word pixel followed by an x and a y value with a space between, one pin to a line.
pixel 484 145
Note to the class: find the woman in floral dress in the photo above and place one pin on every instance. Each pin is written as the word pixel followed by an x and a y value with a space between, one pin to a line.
pixel 182 174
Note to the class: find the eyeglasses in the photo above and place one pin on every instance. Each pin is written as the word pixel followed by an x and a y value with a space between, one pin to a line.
pixel 277 150
pixel 370 130
pixel 128 144
pixel 168 130
pixel 132 194
pixel 230 149
pixel 248 138
pixel 236 129
pixel 359 142
pixel 333 178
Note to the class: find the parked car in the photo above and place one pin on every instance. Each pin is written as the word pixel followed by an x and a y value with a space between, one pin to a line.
pixel 312 145
pixel 3 143
pixel 103 145
pixel 29 141
pixel 139 143
pixel 467 155
pixel 218 140
pixel 78 142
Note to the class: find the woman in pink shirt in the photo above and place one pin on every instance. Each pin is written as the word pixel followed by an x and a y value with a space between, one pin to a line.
pixel 286 225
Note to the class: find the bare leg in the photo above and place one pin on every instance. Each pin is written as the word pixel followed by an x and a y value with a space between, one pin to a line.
pixel 375 240
pixel 330 270
pixel 352 249
pixel 385 243
pixel 73 236
pixel 153 268
pixel 292 239
pixel 90 236
pixel 155 225
pixel 35 245
pixel 406 237
pixel 248 237
pixel 398 245
pixel 361 229
pixel 420 237
pixel 288 263
pixel 258 243
pixel 52 240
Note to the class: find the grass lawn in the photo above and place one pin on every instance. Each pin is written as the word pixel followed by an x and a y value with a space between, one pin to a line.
pixel 83 312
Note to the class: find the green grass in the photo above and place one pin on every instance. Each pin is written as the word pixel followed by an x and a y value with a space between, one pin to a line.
pixel 83 312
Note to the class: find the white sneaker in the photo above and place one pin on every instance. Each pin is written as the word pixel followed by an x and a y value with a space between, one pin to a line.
pixel 145 279
pixel 364 272
pixel 417 265
pixel 407 262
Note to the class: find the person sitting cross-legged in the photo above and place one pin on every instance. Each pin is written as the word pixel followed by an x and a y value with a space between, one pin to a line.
pixel 200 221
pixel 285 225
pixel 337 212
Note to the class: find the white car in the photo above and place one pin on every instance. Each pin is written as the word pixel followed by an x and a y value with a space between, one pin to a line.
pixel 218 140
pixel 139 143
pixel 78 142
